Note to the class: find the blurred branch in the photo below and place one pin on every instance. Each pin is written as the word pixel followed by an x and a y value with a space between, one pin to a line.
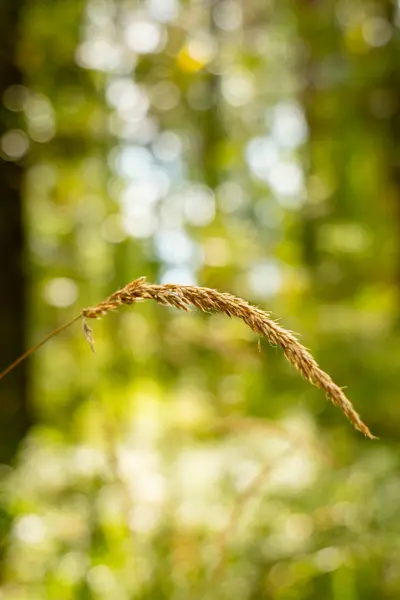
pixel 238 510
pixel 250 491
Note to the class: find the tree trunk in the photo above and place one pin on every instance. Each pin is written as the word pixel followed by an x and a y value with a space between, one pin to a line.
pixel 392 89
pixel 14 419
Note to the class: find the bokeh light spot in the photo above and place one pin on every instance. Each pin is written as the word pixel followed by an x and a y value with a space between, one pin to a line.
pixel 228 15
pixel 14 144
pixel 60 292
pixel 143 37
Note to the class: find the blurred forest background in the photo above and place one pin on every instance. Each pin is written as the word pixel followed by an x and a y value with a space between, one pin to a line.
pixel 249 146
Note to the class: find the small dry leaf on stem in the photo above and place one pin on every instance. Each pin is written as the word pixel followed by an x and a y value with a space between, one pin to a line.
pixel 87 332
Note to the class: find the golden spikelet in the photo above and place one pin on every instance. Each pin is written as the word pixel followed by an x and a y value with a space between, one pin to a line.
pixel 210 300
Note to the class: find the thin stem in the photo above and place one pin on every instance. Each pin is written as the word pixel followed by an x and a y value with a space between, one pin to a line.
pixel 39 345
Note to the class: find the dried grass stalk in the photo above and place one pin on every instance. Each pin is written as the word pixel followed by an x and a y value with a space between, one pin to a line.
pixel 210 300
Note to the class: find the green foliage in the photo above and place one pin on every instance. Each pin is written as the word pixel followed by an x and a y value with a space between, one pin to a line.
pixel 249 147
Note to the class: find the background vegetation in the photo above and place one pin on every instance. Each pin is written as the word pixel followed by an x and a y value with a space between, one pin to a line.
pixel 249 146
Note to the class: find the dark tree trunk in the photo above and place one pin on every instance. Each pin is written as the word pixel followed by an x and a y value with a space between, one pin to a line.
pixel 392 88
pixel 212 124
pixel 309 55
pixel 14 419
